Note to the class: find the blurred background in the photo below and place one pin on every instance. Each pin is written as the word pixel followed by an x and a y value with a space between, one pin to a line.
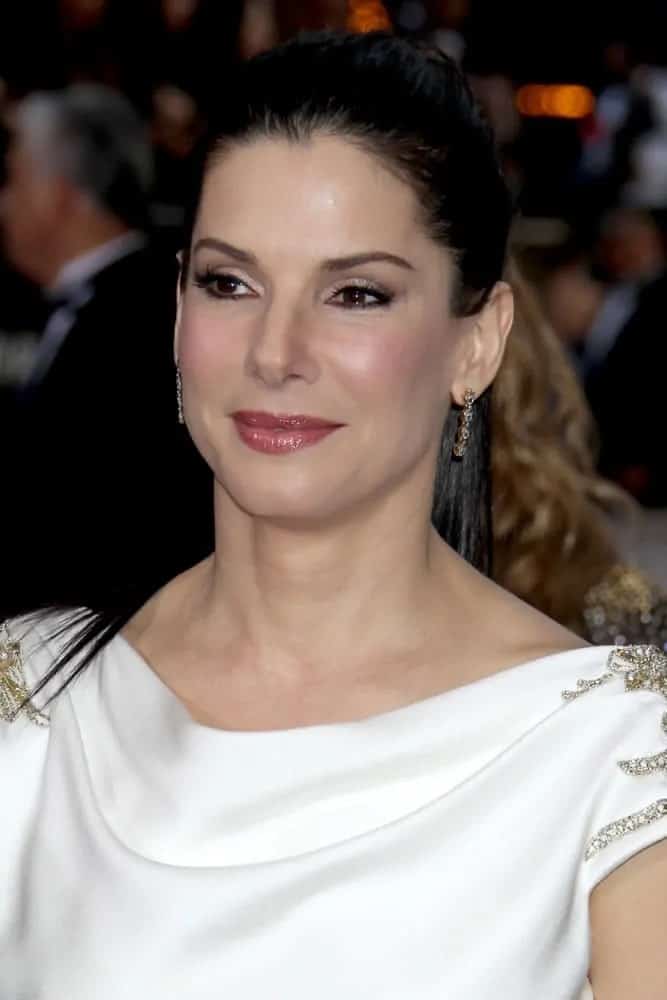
pixel 576 92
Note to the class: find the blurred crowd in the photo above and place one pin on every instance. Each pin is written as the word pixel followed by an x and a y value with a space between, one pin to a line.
pixel 102 102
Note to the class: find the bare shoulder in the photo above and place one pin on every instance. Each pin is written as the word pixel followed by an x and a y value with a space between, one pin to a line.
pixel 514 631
pixel 532 628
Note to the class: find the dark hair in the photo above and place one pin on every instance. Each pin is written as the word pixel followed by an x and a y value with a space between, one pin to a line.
pixel 410 107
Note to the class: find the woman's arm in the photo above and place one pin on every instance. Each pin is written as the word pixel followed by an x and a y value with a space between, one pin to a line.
pixel 628 912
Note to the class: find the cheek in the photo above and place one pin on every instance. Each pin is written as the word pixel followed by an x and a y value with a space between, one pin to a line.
pixel 205 348
pixel 22 235
pixel 27 214
pixel 16 207
pixel 396 371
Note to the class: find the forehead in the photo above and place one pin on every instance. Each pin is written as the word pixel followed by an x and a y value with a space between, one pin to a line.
pixel 322 195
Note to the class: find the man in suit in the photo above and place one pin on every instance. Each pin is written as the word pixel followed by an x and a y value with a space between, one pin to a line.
pixel 106 493
pixel 626 394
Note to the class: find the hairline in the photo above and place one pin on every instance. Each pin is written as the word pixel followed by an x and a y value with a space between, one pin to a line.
pixel 336 129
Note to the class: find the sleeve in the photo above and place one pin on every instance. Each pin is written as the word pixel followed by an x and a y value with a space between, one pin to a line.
pixel 24 737
pixel 629 811
pixel 18 645
pixel 30 646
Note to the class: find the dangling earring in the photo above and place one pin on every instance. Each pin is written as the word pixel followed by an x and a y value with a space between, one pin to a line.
pixel 179 396
pixel 465 419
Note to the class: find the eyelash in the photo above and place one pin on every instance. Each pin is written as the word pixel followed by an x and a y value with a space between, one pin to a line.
pixel 209 279
pixel 381 297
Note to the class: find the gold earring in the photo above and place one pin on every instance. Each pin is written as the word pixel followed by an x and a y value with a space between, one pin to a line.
pixel 179 396
pixel 465 419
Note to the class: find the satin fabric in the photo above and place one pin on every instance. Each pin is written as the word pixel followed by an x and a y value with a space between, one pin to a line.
pixel 432 851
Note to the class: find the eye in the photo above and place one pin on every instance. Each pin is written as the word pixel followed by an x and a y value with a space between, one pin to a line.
pixel 360 297
pixel 222 286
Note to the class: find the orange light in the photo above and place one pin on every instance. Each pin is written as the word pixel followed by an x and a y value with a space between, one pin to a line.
pixel 367 15
pixel 556 100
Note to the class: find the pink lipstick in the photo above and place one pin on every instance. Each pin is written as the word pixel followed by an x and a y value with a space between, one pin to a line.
pixel 280 433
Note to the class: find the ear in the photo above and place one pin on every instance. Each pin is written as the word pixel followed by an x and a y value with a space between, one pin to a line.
pixel 179 304
pixel 483 344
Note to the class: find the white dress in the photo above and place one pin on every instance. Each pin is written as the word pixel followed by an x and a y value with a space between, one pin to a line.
pixel 446 849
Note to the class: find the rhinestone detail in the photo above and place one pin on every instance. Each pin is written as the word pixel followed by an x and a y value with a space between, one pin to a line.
pixel 642 668
pixel 14 692
pixel 465 421
pixel 621 827
pixel 645 765
pixel 584 686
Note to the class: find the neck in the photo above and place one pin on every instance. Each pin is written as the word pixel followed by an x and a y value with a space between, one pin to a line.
pixel 323 599
pixel 81 236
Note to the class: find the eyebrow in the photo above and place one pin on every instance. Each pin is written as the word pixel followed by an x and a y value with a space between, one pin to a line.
pixel 343 263
pixel 333 264
pixel 211 243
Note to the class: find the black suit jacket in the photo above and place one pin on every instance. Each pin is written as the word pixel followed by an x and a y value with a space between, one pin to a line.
pixel 108 493
pixel 627 396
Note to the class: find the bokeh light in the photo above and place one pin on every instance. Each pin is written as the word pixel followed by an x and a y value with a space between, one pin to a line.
pixel 367 15
pixel 559 100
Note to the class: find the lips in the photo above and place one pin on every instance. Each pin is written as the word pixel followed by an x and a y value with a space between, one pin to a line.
pixel 281 433
pixel 281 421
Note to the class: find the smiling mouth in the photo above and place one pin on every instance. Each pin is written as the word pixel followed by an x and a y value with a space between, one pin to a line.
pixel 281 433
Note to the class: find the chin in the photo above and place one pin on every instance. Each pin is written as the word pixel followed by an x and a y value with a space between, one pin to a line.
pixel 299 499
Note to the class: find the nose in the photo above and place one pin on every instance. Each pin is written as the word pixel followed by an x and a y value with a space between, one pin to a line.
pixel 281 349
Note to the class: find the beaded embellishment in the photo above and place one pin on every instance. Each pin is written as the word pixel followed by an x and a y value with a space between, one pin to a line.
pixel 13 689
pixel 642 668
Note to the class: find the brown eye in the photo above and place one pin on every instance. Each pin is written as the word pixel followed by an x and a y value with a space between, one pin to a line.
pixel 360 297
pixel 222 286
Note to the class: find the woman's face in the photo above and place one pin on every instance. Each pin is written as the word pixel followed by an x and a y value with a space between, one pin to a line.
pixel 314 292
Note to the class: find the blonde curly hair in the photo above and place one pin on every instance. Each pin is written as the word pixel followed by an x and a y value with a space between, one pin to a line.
pixel 550 508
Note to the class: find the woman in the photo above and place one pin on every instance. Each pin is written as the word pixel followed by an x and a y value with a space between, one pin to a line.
pixel 553 516
pixel 315 764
